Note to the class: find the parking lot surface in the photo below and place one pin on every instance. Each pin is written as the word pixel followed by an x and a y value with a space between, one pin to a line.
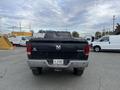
pixel 103 73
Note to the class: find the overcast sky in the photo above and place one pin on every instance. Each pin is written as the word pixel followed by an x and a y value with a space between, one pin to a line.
pixel 80 15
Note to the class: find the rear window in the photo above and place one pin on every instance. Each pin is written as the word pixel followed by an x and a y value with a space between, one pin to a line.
pixel 58 35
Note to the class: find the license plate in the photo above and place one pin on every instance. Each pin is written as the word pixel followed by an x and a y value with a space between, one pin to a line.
pixel 58 61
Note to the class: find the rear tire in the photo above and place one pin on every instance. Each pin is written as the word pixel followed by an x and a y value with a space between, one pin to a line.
pixel 11 43
pixel 36 71
pixel 78 71
pixel 97 49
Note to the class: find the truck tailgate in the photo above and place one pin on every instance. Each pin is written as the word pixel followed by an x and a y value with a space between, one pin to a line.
pixel 58 50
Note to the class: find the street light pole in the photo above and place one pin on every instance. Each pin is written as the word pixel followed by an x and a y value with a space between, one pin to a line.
pixel 113 23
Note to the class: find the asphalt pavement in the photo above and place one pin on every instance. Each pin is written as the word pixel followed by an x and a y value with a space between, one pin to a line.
pixel 103 73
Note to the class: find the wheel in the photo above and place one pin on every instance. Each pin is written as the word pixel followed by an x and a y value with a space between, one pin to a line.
pixel 11 43
pixel 78 71
pixel 97 48
pixel 36 71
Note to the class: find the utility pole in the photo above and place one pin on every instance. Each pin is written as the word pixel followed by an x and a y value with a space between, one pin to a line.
pixel 113 23
pixel 0 24
pixel 30 26
pixel 13 27
pixel 20 26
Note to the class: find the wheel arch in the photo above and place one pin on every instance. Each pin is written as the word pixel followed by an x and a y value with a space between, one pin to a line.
pixel 97 46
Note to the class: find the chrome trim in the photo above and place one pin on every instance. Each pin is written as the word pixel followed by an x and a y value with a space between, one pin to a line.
pixel 44 63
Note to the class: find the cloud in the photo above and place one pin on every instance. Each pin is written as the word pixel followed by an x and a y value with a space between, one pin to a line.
pixel 100 13
pixel 83 16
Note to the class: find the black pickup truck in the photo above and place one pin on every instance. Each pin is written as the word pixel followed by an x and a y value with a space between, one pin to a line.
pixel 57 50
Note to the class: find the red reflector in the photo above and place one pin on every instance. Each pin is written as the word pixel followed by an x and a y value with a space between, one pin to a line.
pixel 86 50
pixel 29 49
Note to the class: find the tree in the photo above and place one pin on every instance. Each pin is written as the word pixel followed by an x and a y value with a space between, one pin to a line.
pixel 106 33
pixel 110 33
pixel 98 34
pixel 103 33
pixel 32 31
pixel 75 34
pixel 117 30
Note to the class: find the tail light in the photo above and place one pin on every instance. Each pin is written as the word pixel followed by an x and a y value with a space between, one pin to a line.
pixel 87 50
pixel 29 49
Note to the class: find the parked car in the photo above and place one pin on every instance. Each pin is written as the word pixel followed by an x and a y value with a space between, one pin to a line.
pixel 109 42
pixel 57 50
pixel 19 40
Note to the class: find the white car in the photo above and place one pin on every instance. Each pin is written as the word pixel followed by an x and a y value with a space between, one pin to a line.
pixel 19 40
pixel 109 42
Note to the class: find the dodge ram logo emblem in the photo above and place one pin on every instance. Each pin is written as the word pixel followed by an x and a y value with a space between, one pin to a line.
pixel 58 47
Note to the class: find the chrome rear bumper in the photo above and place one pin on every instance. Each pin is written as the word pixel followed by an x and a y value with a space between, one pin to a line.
pixel 72 63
